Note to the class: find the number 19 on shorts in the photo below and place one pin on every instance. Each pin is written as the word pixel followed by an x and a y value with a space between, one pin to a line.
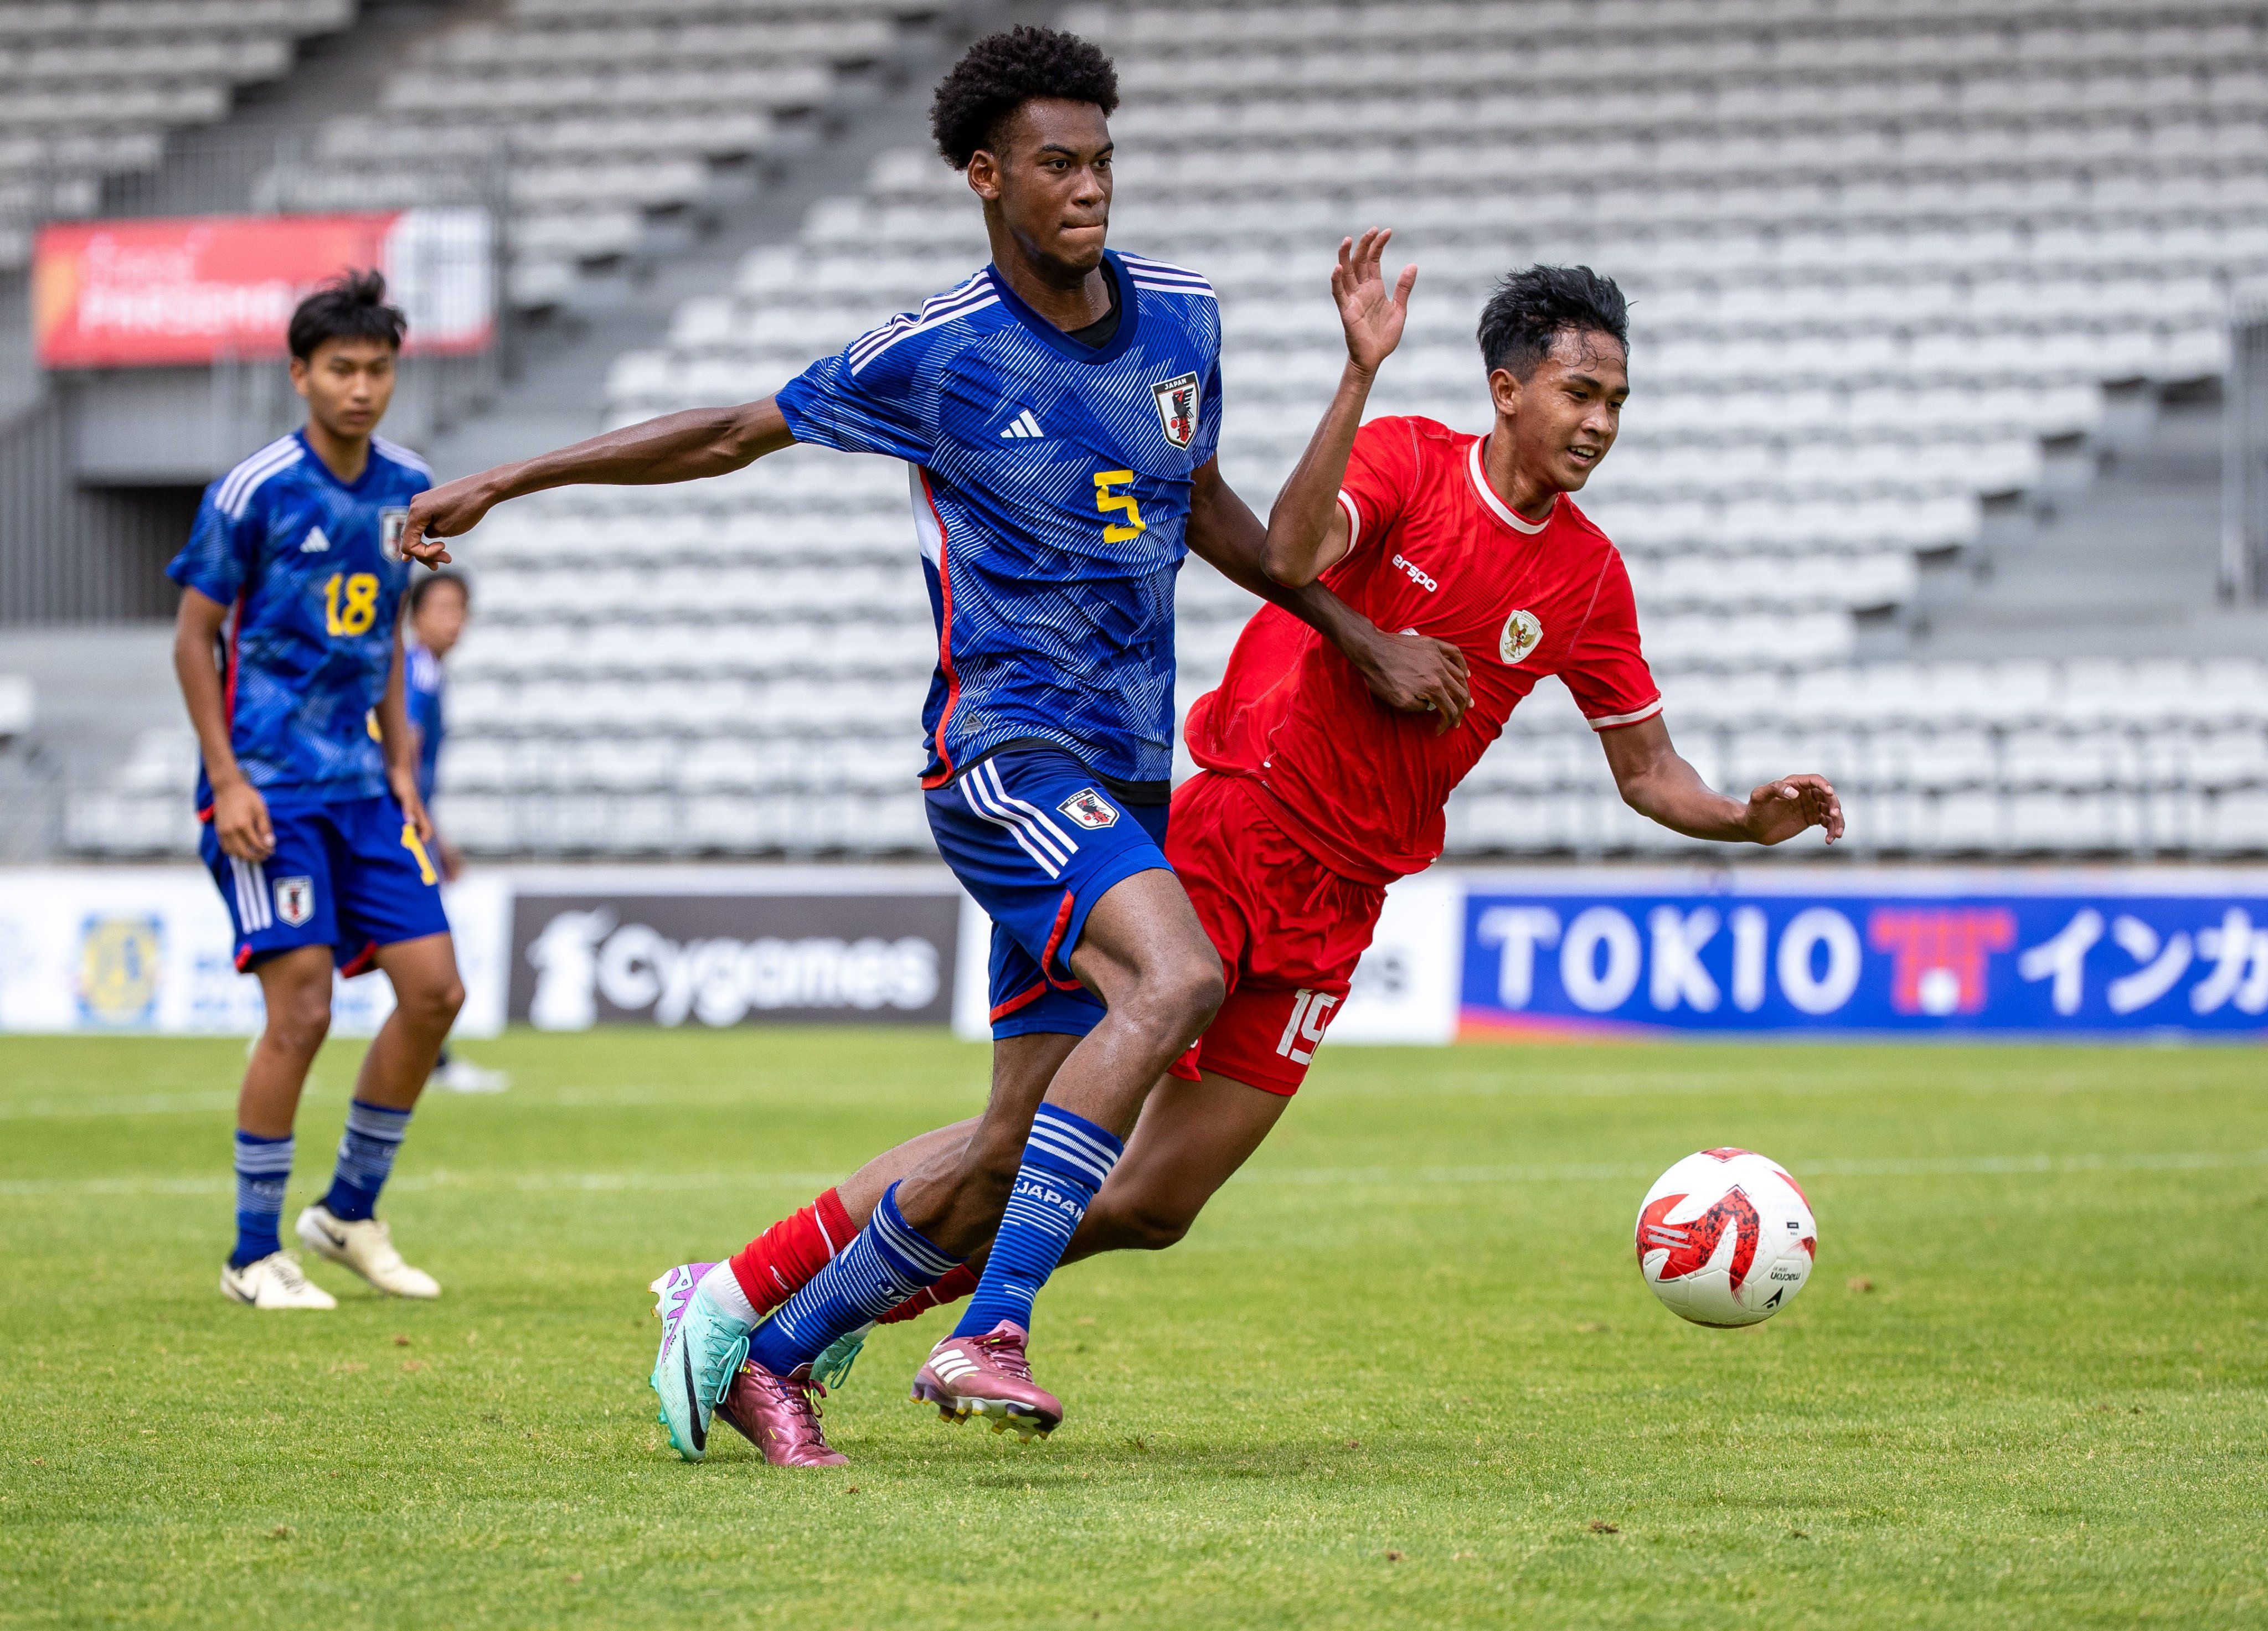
pixel 1311 1012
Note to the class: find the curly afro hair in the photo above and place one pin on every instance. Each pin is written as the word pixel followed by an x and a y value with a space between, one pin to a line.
pixel 1002 72
pixel 1530 309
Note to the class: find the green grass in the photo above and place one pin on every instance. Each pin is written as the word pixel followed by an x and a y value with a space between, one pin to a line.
pixel 1404 1373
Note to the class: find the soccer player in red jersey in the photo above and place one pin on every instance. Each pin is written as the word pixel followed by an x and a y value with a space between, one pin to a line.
pixel 1312 797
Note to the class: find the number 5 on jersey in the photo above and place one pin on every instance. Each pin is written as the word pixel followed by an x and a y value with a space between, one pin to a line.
pixel 1109 503
pixel 354 611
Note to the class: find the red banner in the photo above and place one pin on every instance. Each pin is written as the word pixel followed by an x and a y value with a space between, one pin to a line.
pixel 118 294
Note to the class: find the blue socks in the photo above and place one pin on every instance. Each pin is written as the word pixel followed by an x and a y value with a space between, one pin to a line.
pixel 262 1167
pixel 887 1263
pixel 366 1159
pixel 1066 1161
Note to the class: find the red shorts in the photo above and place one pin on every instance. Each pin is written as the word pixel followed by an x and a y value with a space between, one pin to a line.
pixel 1289 931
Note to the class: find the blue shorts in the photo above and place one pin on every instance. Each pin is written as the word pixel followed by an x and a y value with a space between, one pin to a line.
pixel 352 876
pixel 1036 841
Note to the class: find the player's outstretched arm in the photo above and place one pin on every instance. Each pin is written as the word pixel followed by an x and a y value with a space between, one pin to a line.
pixel 1307 533
pixel 1658 783
pixel 676 447
pixel 1411 673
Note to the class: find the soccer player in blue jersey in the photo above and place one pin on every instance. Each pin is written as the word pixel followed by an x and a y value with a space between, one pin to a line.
pixel 1059 413
pixel 288 649
pixel 439 605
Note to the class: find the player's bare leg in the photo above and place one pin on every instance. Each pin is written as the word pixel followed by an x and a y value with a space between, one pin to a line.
pixel 954 1185
pixel 1191 1139
pixel 427 994
pixel 296 987
pixel 344 1225
pixel 951 1185
pixel 1144 953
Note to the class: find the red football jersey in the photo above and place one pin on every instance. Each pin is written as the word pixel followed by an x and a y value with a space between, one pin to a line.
pixel 1436 552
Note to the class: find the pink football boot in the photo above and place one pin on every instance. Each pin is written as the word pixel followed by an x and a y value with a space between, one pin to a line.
pixel 988 1376
pixel 779 1415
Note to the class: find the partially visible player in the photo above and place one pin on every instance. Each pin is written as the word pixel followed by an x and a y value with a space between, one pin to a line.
pixel 288 647
pixel 1312 797
pixel 1058 411
pixel 439 605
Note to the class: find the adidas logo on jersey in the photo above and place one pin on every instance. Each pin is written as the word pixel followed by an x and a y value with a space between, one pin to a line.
pixel 314 541
pixel 1022 425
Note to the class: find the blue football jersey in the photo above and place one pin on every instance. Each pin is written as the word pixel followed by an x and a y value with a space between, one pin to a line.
pixel 422 684
pixel 308 566
pixel 1051 500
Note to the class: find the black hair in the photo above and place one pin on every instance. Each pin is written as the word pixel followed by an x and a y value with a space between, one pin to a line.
pixel 1531 309
pixel 1002 72
pixel 352 307
pixel 428 582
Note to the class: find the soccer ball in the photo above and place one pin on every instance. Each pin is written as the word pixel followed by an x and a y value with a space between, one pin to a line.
pixel 1725 1237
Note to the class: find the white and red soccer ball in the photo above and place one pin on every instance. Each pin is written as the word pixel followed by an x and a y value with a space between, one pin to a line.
pixel 1725 1237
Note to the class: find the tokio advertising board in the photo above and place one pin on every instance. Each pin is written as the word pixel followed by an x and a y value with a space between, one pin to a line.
pixel 203 289
pixel 2138 953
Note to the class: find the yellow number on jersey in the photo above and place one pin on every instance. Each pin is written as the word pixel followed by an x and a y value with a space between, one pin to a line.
pixel 1109 503
pixel 355 611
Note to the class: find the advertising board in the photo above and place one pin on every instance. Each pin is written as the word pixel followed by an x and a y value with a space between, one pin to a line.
pixel 201 289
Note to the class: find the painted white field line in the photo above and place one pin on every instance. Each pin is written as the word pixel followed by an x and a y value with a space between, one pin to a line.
pixel 1918 1166
pixel 538 1183
pixel 136 1105
pixel 509 1183
pixel 722 1098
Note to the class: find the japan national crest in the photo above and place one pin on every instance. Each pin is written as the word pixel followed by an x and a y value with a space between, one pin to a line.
pixel 1523 632
pixel 390 524
pixel 295 899
pixel 1177 408
pixel 1090 809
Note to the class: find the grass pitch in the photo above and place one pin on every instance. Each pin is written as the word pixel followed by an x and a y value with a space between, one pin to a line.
pixel 1404 1373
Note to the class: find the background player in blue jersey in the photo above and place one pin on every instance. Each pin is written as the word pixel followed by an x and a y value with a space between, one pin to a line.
pixel 1057 412
pixel 440 603
pixel 288 649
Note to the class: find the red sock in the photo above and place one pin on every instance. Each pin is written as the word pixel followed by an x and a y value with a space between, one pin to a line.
pixel 774 1266
pixel 959 1281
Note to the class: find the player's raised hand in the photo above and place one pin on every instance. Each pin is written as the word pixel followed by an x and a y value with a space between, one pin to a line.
pixel 1372 315
pixel 1780 810
pixel 1415 673
pixel 444 512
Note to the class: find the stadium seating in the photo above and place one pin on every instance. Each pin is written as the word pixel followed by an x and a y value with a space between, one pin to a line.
pixel 1877 261
pixel 88 88
pixel 608 118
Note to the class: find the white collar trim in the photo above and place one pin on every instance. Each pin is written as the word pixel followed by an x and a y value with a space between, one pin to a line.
pixel 1504 513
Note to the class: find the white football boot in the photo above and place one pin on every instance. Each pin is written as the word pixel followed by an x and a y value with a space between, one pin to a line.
pixel 460 1075
pixel 274 1281
pixel 367 1247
